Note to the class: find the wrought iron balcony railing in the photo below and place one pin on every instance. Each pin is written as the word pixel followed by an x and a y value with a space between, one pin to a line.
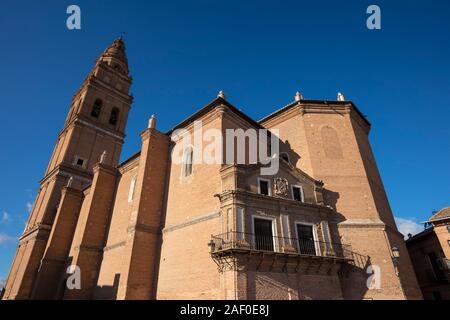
pixel 240 241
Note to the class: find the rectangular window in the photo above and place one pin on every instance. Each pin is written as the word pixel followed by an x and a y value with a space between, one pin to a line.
pixel 187 164
pixel 306 243
pixel 263 234
pixel 239 223
pixel 264 187
pixel 132 187
pixel 297 193
pixel 448 229
pixel 80 162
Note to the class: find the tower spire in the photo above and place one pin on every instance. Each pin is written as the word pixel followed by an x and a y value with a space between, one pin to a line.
pixel 115 55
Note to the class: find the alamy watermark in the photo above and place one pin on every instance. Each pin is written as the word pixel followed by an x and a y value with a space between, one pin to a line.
pixel 211 146
pixel 74 279
pixel 374 20
pixel 73 21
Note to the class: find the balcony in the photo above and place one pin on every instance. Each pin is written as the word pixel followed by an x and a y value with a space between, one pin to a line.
pixel 247 243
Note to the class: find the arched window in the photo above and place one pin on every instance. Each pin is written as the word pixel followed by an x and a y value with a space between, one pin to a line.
pixel 97 108
pixel 187 161
pixel 132 188
pixel 114 117
pixel 284 156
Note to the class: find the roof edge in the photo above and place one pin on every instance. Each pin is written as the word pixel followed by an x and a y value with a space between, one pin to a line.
pixel 208 108
pixel 317 102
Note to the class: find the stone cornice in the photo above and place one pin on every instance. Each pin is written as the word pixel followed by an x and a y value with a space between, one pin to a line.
pixel 105 168
pixel 39 231
pixel 65 171
pixel 147 133
pixel 367 223
pixel 103 86
pixel 278 201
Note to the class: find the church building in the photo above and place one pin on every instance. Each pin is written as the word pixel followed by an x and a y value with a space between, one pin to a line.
pixel 320 227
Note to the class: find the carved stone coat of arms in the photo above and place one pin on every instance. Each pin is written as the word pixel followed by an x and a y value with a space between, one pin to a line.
pixel 281 187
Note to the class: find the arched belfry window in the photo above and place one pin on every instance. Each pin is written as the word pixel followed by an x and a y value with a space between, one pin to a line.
pixel 97 108
pixel 114 117
pixel 187 161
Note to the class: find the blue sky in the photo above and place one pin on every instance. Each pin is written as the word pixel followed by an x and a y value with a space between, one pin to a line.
pixel 260 52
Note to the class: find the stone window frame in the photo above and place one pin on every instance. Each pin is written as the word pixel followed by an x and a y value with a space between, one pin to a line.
pixel 75 161
pixel 269 186
pixel 302 194
pixel 273 219
pixel 184 162
pixel 315 234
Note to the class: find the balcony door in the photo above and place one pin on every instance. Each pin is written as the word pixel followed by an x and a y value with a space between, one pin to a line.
pixel 306 243
pixel 263 234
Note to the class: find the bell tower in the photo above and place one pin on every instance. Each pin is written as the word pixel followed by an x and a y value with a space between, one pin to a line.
pixel 95 124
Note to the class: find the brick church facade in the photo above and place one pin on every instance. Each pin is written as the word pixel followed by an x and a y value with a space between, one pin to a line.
pixel 151 228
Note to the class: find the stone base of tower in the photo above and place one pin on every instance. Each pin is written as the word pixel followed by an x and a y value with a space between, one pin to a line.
pixel 19 284
pixel 49 282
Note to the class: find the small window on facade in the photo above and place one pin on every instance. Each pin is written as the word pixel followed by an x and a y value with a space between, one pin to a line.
pixel 97 108
pixel 187 161
pixel 448 241
pixel 263 237
pixel 79 161
pixel 297 193
pixel 114 116
pixel 448 229
pixel 285 157
pixel 132 187
pixel 264 187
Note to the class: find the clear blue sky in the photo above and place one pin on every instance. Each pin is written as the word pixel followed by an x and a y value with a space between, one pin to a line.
pixel 260 52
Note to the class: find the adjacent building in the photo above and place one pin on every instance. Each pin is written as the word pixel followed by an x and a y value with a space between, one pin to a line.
pixel 153 228
pixel 430 254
